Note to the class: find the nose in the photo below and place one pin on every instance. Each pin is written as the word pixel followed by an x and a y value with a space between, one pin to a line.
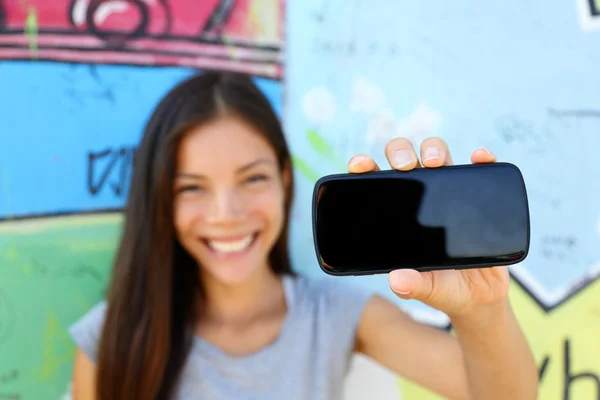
pixel 225 206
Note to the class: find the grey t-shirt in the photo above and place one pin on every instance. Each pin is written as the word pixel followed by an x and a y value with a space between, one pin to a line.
pixel 308 361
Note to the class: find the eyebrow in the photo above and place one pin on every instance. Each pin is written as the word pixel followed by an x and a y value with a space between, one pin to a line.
pixel 241 169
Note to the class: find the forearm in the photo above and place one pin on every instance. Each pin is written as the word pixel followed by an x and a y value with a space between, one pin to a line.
pixel 498 359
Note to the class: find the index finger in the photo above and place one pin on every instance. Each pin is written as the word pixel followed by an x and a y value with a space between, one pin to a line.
pixel 361 163
pixel 435 153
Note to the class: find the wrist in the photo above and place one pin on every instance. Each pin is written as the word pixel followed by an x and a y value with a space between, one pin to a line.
pixel 480 316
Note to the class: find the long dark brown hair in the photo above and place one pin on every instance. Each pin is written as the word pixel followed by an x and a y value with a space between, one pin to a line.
pixel 155 293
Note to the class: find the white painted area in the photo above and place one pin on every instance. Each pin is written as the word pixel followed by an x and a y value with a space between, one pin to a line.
pixel 587 21
pixel 366 97
pixel 319 105
pixel 418 125
pixel 108 8
pixel 68 394
pixel 79 11
pixel 368 380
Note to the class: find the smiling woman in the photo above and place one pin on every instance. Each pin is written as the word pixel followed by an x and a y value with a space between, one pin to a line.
pixel 229 197
pixel 204 303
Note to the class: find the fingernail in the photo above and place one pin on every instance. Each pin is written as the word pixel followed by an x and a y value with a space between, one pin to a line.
pixel 484 149
pixel 402 158
pixel 356 160
pixel 431 153
pixel 399 292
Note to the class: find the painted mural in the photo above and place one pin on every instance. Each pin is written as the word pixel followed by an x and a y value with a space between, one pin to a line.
pixel 79 79
pixel 511 76
pixel 241 35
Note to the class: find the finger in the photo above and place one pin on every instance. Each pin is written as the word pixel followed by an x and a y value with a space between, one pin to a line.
pixel 401 154
pixel 435 153
pixel 362 163
pixel 482 156
pixel 411 284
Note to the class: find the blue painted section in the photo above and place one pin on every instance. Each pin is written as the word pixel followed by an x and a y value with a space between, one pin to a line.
pixel 53 114
pixel 520 78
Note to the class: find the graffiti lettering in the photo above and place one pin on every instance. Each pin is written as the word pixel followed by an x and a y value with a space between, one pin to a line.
pixel 515 130
pixel 79 271
pixel 569 121
pixel 8 377
pixel 570 377
pixel 103 163
pixel 186 33
pixel 576 113
pixel 2 15
pixel 558 247
pixel 352 48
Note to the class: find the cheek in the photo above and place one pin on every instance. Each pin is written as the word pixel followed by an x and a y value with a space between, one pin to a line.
pixel 184 213
pixel 271 206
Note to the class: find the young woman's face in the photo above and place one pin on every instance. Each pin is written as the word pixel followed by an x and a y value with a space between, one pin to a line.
pixel 229 199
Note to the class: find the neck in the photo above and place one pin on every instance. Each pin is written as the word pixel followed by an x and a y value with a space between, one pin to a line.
pixel 244 302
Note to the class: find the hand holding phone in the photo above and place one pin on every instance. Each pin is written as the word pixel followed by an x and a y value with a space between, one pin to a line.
pixel 441 232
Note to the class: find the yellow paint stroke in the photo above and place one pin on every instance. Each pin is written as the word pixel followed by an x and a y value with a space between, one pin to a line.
pixel 27 269
pixel 11 253
pixel 57 350
pixel 264 19
pixel 82 302
pixel 566 339
pixel 31 30
pixel 305 169
pixel 321 146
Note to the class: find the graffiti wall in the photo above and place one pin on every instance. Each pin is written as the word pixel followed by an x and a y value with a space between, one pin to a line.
pixel 79 78
pixel 242 35
pixel 511 76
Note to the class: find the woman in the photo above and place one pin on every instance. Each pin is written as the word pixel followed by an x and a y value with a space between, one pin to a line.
pixel 204 303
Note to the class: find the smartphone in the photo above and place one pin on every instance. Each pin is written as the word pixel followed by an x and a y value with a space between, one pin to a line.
pixel 454 217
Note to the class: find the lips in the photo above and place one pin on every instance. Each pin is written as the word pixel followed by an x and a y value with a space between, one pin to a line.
pixel 231 245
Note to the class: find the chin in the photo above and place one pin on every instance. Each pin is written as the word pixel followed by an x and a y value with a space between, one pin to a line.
pixel 232 276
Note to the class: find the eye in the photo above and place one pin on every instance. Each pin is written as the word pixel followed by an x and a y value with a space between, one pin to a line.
pixel 189 188
pixel 257 178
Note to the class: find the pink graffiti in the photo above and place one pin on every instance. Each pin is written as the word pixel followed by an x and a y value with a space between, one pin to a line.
pixel 224 34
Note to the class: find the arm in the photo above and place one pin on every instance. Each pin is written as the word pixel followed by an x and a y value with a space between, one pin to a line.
pixel 497 357
pixel 490 359
pixel 84 377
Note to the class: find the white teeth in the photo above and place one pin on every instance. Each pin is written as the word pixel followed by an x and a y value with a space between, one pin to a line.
pixel 231 246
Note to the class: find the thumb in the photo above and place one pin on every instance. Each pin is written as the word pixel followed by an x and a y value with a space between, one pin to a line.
pixel 411 284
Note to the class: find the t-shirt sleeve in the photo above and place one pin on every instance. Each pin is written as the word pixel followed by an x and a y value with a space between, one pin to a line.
pixel 346 303
pixel 87 330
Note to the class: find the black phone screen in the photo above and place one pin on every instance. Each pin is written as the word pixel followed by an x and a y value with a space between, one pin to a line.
pixel 458 216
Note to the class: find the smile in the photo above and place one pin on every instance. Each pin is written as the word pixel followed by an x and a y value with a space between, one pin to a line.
pixel 231 246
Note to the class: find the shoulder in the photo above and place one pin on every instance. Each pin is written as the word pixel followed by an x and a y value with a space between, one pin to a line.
pixel 329 286
pixel 86 331
pixel 340 298
pixel 330 311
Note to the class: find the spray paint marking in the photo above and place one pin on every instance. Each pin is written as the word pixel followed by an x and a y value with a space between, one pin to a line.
pixel 31 30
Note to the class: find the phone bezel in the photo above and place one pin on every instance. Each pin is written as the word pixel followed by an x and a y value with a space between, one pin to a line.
pixel 388 173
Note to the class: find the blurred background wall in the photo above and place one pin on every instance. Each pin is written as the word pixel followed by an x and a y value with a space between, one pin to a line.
pixel 78 80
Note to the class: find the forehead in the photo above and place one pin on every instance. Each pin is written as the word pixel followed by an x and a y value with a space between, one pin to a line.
pixel 222 145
